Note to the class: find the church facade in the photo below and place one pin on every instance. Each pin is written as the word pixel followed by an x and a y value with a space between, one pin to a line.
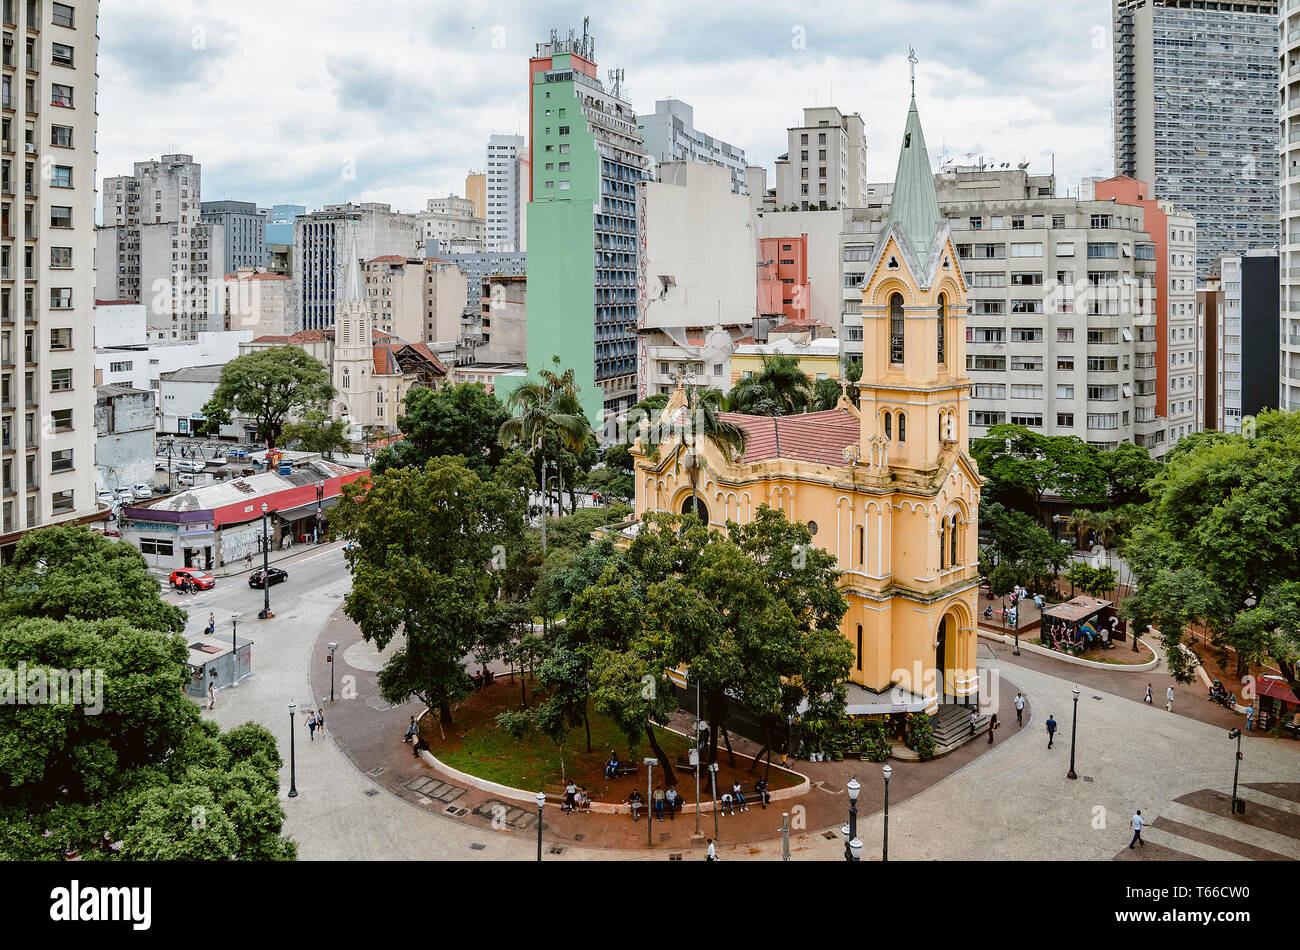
pixel 888 486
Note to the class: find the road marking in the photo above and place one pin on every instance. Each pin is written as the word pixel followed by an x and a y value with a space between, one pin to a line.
pixel 1195 849
pixel 1222 825
pixel 1272 801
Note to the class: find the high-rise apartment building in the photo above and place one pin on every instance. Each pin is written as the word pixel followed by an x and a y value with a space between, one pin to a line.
pixel 1196 114
pixel 452 222
pixel 154 248
pixel 322 242
pixel 47 291
pixel 279 223
pixel 587 159
pixel 476 191
pixel 670 136
pixel 507 188
pixel 244 229
pixel 1288 27
pixel 1246 343
pixel 825 165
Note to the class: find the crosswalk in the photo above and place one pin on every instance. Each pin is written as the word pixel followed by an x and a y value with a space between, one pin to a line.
pixel 1200 826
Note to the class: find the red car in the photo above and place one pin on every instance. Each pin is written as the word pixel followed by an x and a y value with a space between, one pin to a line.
pixel 201 580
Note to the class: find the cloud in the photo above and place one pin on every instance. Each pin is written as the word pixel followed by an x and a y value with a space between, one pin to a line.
pixel 281 101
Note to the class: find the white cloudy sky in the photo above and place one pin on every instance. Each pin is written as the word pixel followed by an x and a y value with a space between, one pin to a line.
pixel 279 98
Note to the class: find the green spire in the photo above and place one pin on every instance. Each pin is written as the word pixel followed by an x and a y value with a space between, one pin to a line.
pixel 915 206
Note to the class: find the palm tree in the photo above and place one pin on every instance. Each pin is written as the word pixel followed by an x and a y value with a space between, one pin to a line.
pixel 706 423
pixel 780 388
pixel 538 408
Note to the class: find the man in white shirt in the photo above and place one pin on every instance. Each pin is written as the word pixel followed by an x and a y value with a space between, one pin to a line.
pixel 1169 699
pixel 1020 710
pixel 1137 824
pixel 712 853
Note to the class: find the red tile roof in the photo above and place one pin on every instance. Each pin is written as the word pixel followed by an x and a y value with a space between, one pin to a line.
pixel 796 326
pixel 389 259
pixel 819 437
pixel 385 362
pixel 302 336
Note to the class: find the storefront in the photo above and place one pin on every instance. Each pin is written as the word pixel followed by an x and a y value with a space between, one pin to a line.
pixel 218 663
pixel 1277 701
pixel 1076 625
pixel 308 524
pixel 171 539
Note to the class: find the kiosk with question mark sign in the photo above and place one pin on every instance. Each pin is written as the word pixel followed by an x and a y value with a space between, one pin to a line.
pixel 1076 625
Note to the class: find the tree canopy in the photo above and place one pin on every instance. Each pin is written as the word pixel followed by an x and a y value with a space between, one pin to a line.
pixel 1220 545
pixel 269 386
pixel 1022 466
pixel 780 388
pixel 316 432
pixel 454 420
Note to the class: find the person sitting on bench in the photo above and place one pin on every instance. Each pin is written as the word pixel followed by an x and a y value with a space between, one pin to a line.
pixel 583 802
pixel 611 767
pixel 634 800
pixel 764 796
pixel 740 796
pixel 728 808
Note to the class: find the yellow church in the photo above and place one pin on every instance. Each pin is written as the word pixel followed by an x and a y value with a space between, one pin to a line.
pixel 888 487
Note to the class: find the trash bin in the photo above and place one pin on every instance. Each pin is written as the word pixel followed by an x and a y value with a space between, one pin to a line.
pixel 1239 807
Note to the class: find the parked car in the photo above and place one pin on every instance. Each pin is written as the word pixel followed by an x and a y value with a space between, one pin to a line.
pixel 142 490
pixel 125 496
pixel 274 575
pixel 185 479
pixel 106 498
pixel 204 580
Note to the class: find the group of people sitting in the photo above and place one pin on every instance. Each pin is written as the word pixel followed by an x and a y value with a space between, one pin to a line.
pixel 576 799
pixel 668 800
pixel 1219 694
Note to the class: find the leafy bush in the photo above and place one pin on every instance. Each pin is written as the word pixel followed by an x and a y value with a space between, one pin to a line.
pixel 920 736
pixel 876 746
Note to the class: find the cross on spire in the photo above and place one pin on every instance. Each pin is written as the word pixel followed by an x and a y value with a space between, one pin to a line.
pixel 911 58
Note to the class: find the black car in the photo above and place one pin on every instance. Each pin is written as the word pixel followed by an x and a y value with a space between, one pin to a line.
pixel 274 574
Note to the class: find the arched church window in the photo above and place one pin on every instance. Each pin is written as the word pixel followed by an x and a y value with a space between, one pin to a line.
pixel 862 547
pixel 694 504
pixel 896 328
pixel 347 376
pixel 859 648
pixel 943 541
pixel 943 309
pixel 953 560
pixel 889 427
pixel 902 427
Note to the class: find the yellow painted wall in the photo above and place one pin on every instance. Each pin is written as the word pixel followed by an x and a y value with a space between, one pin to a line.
pixel 812 366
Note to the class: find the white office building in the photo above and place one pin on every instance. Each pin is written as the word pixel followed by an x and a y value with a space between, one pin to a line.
pixel 507 189
pixel 670 135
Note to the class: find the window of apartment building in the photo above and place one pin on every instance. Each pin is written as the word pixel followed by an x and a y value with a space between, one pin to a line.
pixel 60 95
pixel 60 380
pixel 976 224
pixel 1103 336
pixel 564 130
pixel 995 222
pixel 61 420
pixel 1031 278
pixel 1100 221
pixel 986 363
pixel 980 417
pixel 1026 306
pixel 1032 420
pixel 63 501
pixel 564 150
pixel 1027 250
pixel 988 280
pixel 61 176
pixel 803 139
pixel 1065 420
pixel 61 54
pixel 63 15
pixel 1102 249
pixel 1103 364
pixel 60 217
pixel 1144 252
pixel 1017 222
pixel 60 298
pixel 121 367
pixel 1058 220
pixel 1029 364
pixel 1103 420
pixel 821 138
pixel 1026 392
pixel 1103 393
pixel 986 335
pixel 61 338
pixel 60 257
pixel 821 172
pixel 989 391
pixel 994 307
pixel 60 461
pixel 1037 220
pixel 1026 335
pixel 1065 334
pixel 1065 249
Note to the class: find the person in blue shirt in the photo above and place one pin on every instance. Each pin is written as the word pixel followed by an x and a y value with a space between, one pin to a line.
pixel 611 768
pixel 1051 730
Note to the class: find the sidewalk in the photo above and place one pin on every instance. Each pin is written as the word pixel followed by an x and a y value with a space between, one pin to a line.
pixel 236 568
pixel 369 733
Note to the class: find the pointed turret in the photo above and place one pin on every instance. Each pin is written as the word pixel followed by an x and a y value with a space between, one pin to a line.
pixel 351 278
pixel 915 205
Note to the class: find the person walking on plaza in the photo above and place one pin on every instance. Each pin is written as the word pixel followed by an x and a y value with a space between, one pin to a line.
pixel 1051 730
pixel 1020 710
pixel 212 623
pixel 711 854
pixel 1147 698
pixel 1169 698
pixel 248 561
pixel 311 725
pixel 320 721
pixel 570 797
pixel 993 724
pixel 1250 717
pixel 212 695
pixel 974 720
pixel 1137 823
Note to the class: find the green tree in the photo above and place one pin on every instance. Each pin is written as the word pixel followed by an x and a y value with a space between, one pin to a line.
pixel 1220 545
pixel 454 420
pixel 316 432
pixel 70 572
pixel 1129 469
pixel 780 388
pixel 1022 466
pixel 428 538
pixel 826 394
pixel 1020 544
pixel 268 387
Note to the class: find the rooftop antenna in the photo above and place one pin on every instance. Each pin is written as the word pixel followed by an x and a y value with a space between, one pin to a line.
pixel 911 58
pixel 585 21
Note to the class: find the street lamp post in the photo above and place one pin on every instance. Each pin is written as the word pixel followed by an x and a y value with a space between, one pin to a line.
pixel 293 783
pixel 541 803
pixel 234 646
pixel 713 784
pixel 1015 629
pixel 650 764
pixel 333 646
pixel 850 830
pixel 884 852
pixel 1074 729
pixel 266 568
pixel 1236 769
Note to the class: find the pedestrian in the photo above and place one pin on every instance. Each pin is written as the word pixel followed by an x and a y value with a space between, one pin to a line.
pixel 993 724
pixel 212 694
pixel 570 797
pixel 1051 730
pixel 1020 710
pixel 974 720
pixel 248 561
pixel 1105 638
pixel 739 796
pixel 212 623
pixel 320 721
pixel 670 799
pixel 634 800
pixel 657 801
pixel 1250 717
pixel 311 725
pixel 711 854
pixel 1147 698
pixel 764 796
pixel 1137 823
pixel 1169 698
